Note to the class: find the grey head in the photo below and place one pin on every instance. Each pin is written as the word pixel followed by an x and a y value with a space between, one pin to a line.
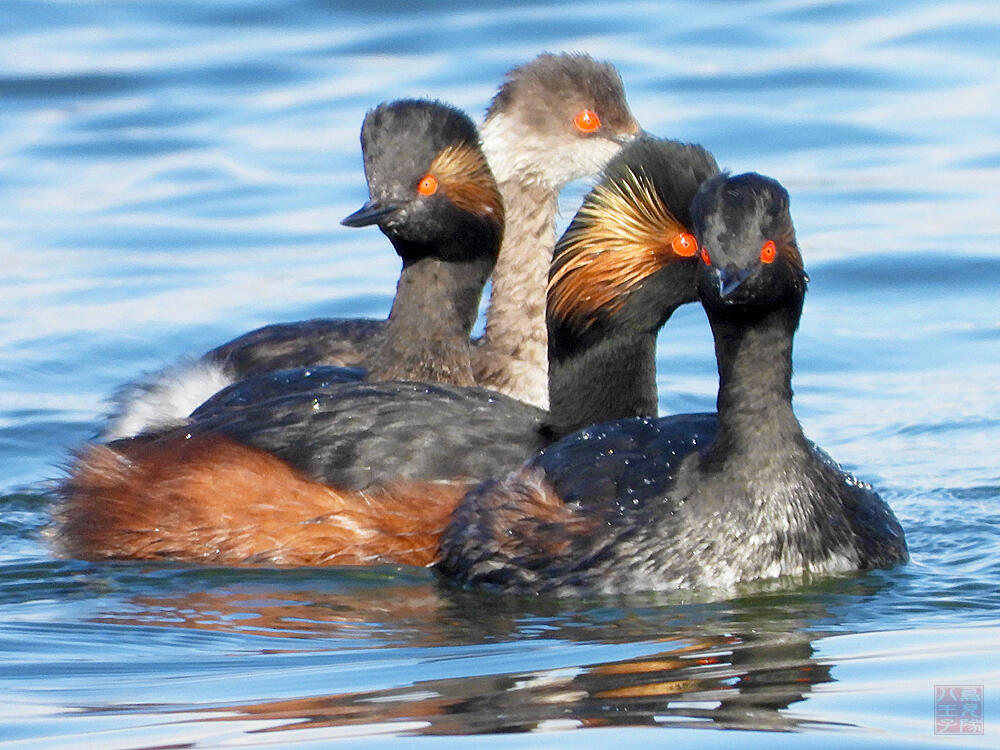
pixel 749 256
pixel 431 190
pixel 557 118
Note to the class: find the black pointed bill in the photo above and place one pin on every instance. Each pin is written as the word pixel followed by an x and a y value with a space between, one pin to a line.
pixel 730 279
pixel 370 213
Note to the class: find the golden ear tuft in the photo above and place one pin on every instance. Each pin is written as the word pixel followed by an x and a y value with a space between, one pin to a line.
pixel 465 178
pixel 622 234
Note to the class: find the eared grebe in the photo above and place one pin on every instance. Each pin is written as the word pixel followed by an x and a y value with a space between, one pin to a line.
pixel 624 264
pixel 433 195
pixel 368 472
pixel 690 501
pixel 555 119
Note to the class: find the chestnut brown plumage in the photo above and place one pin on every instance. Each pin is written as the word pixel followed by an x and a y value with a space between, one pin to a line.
pixel 346 455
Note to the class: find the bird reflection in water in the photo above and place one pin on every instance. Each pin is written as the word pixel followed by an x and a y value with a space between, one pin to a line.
pixel 692 677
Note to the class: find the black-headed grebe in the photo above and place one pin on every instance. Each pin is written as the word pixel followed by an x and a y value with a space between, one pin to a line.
pixel 690 501
pixel 557 118
pixel 366 473
pixel 433 195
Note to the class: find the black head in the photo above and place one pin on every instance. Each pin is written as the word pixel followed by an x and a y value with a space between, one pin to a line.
pixel 432 192
pixel 629 258
pixel 563 116
pixel 749 257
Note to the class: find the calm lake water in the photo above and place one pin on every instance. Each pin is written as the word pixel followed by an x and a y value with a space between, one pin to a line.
pixel 173 174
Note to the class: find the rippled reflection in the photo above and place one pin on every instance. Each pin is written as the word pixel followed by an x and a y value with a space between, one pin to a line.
pixel 713 674
pixel 722 682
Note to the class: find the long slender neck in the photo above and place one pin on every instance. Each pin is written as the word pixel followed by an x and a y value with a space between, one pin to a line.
pixel 516 315
pixel 427 336
pixel 612 378
pixel 755 390
pixel 515 342
pixel 602 353
pixel 760 478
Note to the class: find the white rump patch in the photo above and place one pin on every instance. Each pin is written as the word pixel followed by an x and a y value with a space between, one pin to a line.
pixel 164 398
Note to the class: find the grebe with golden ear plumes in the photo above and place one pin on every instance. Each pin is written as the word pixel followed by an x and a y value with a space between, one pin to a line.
pixel 690 501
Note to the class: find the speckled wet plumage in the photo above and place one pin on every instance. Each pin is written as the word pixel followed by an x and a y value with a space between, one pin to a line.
pixel 268 385
pixel 356 435
pixel 659 505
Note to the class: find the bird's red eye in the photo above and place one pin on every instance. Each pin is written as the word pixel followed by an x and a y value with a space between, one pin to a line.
pixel 684 245
pixel 428 185
pixel 587 121
pixel 705 257
pixel 767 252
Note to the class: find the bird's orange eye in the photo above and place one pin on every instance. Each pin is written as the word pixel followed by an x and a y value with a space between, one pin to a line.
pixel 767 252
pixel 587 121
pixel 428 185
pixel 684 245
pixel 705 257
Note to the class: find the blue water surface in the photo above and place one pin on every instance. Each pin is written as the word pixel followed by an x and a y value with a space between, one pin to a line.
pixel 173 174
